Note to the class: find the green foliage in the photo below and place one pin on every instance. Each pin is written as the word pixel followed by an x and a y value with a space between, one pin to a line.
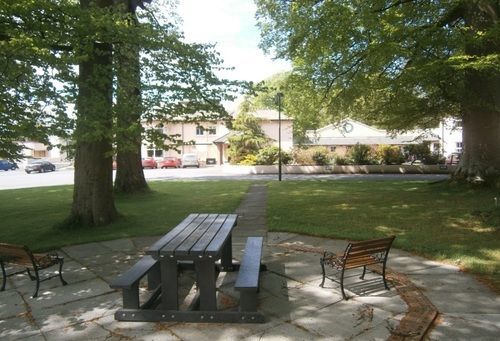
pixel 361 154
pixel 389 155
pixel 320 157
pixel 249 160
pixel 398 64
pixel 270 155
pixel 43 42
pixel 423 153
pixel 248 139
pixel 341 160
pixel 311 155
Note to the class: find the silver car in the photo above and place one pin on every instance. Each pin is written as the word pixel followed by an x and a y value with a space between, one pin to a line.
pixel 190 160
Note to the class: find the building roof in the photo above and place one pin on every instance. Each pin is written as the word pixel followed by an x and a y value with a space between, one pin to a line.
pixel 350 132
pixel 224 138
pixel 369 140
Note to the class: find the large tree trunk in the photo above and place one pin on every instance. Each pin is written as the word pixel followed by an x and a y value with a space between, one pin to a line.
pixel 129 174
pixel 481 107
pixel 93 202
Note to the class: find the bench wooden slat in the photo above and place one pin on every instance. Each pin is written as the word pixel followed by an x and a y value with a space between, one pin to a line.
pixel 172 245
pixel 217 242
pixel 154 250
pixel 248 275
pixel 205 240
pixel 189 242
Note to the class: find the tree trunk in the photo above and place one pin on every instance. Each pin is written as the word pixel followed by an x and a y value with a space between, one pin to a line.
pixel 480 161
pixel 93 202
pixel 129 174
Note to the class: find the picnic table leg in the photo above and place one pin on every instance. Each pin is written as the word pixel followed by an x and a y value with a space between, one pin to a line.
pixel 226 259
pixel 169 284
pixel 206 278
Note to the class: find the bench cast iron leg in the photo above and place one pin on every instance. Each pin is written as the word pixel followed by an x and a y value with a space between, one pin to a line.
pixel 4 278
pixel 364 271
pixel 37 276
pixel 383 277
pixel 323 271
pixel 342 285
pixel 61 262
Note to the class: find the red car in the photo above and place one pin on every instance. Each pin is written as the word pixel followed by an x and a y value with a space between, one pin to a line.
pixel 149 163
pixel 170 161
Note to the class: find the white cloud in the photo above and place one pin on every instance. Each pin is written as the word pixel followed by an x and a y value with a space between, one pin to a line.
pixel 230 24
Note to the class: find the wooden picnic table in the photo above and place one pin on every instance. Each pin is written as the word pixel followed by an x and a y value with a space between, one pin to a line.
pixel 202 239
pixel 198 242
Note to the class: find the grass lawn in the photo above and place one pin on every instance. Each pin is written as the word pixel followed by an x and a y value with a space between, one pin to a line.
pixel 454 224
pixel 28 216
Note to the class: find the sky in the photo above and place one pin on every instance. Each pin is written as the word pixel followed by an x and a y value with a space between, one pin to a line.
pixel 231 25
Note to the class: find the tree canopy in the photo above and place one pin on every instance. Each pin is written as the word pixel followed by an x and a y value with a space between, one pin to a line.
pixel 400 64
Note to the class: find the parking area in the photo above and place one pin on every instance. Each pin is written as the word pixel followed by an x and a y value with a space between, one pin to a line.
pixel 65 176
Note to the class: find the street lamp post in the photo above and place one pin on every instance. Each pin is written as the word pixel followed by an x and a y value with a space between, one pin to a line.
pixel 279 96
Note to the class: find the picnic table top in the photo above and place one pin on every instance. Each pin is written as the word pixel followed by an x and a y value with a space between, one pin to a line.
pixel 197 236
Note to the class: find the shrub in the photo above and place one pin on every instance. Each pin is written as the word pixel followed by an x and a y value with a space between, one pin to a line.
pixel 286 158
pixel 305 156
pixel 267 155
pixel 321 158
pixel 422 152
pixel 341 160
pixel 270 155
pixel 361 154
pixel 389 155
pixel 249 160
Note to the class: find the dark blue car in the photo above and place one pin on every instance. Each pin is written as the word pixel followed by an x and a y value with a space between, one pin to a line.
pixel 7 165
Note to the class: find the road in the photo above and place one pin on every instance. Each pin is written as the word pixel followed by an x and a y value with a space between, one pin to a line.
pixel 64 176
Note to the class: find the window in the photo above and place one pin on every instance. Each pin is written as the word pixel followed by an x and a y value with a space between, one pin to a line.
pixel 212 130
pixel 155 153
pixel 459 146
pixel 199 130
pixel 333 148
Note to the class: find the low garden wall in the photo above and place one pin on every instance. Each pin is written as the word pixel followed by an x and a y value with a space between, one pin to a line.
pixel 353 169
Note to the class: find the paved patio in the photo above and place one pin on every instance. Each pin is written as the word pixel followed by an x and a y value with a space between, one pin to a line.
pixel 296 307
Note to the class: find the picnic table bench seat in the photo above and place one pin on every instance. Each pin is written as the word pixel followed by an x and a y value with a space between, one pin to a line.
pixel 128 282
pixel 247 282
pixel 21 256
pixel 356 255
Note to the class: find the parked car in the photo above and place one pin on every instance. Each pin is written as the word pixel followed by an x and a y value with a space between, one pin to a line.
pixel 40 167
pixel 8 165
pixel 149 163
pixel 170 161
pixel 190 160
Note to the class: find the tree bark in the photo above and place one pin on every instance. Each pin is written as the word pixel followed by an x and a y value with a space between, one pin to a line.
pixel 93 202
pixel 129 173
pixel 480 161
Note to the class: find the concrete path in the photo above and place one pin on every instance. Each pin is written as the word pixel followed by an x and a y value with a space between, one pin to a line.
pixel 295 306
